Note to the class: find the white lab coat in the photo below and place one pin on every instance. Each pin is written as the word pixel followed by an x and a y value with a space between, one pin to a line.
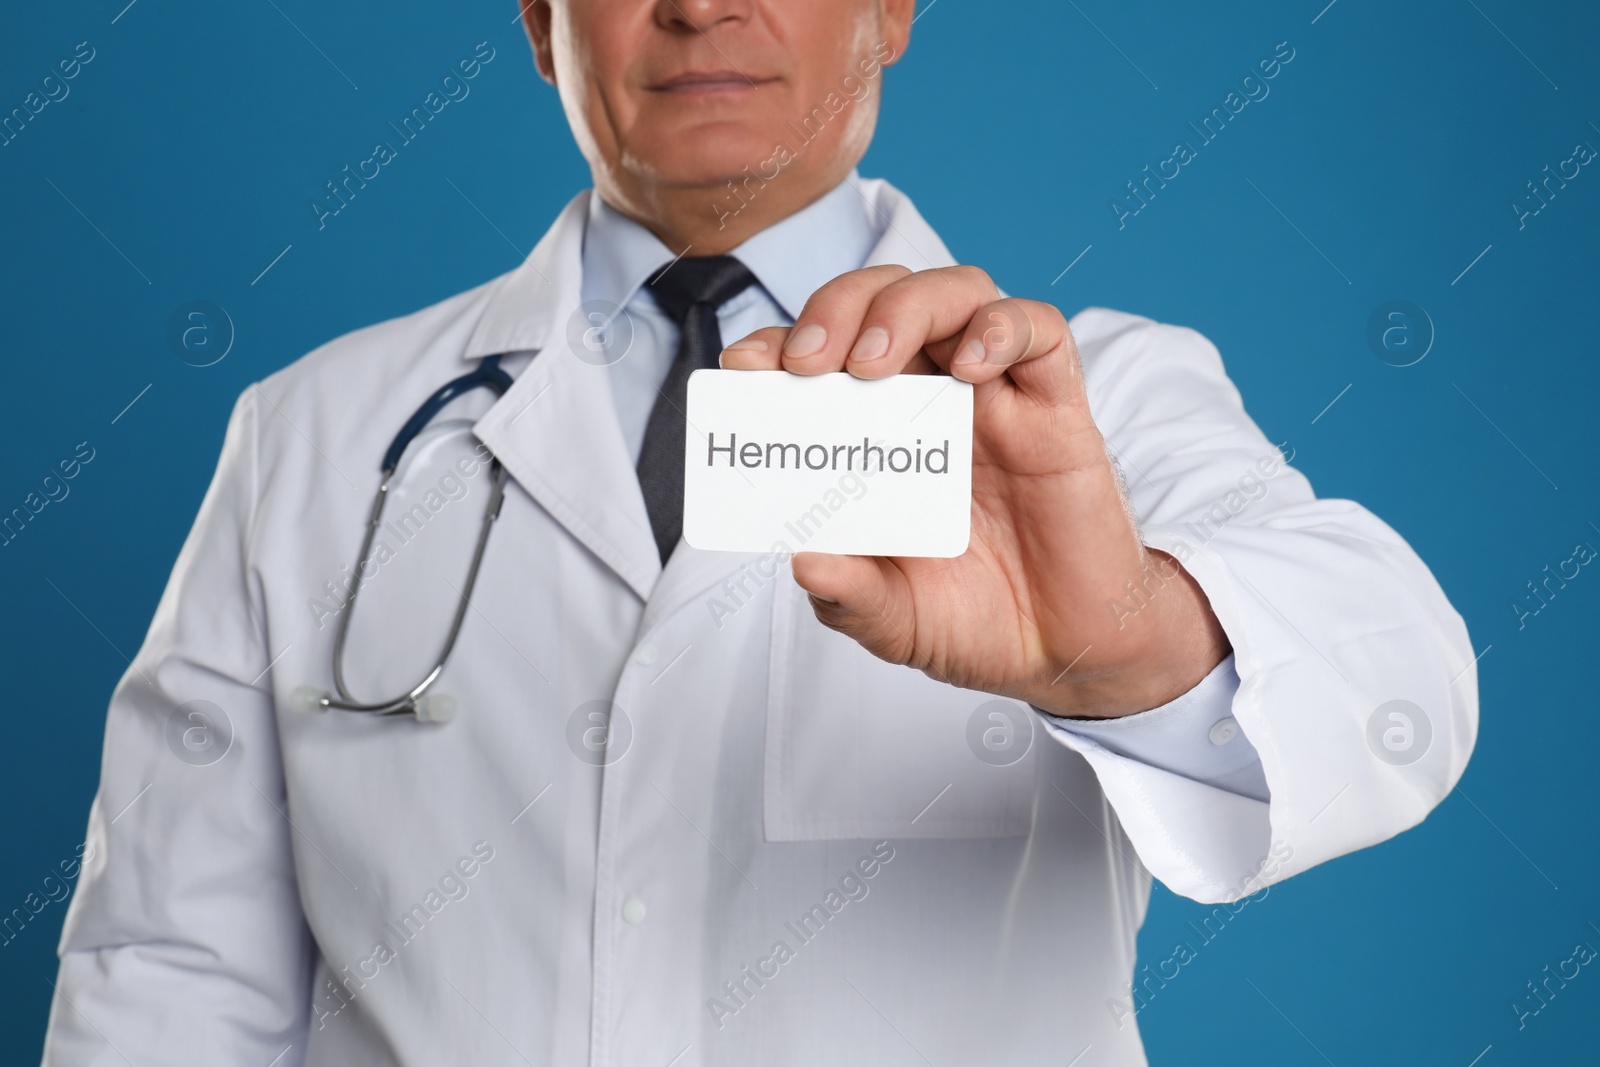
pixel 780 786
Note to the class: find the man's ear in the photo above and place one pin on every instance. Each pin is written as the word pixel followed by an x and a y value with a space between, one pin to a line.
pixel 536 20
pixel 897 18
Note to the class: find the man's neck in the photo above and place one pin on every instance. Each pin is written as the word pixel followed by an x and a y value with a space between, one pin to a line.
pixel 711 220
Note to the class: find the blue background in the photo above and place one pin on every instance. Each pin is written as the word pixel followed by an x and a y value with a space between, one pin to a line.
pixel 186 155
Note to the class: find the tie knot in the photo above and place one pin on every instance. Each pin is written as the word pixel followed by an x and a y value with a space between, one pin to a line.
pixel 711 280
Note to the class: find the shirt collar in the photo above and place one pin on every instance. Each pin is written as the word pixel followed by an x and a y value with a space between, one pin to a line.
pixel 791 258
pixel 538 303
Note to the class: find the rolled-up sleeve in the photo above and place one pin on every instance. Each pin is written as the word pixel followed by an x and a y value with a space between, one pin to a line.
pixel 1356 680
pixel 185 943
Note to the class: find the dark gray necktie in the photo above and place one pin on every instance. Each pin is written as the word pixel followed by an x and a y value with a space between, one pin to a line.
pixel 690 291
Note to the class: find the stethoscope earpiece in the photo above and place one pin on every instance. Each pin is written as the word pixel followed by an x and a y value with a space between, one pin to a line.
pixel 429 707
pixel 436 707
pixel 305 698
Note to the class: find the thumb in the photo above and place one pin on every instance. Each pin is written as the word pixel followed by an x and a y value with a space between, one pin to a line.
pixel 863 597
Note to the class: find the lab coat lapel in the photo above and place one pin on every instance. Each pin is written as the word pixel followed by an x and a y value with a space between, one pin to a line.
pixel 692 574
pixel 555 429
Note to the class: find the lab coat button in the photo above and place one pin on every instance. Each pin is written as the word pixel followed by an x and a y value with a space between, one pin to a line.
pixel 646 655
pixel 1224 730
pixel 633 912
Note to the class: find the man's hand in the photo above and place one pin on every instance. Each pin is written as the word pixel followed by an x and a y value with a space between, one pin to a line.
pixel 1030 611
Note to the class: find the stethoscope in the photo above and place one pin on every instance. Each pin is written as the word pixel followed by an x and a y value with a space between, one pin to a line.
pixel 426 706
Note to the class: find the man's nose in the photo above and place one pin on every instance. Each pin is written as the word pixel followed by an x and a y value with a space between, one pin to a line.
pixel 699 15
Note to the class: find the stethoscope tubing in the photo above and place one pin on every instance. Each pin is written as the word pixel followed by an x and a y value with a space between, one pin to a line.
pixel 488 375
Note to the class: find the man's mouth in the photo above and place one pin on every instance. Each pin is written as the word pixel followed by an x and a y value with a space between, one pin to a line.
pixel 709 82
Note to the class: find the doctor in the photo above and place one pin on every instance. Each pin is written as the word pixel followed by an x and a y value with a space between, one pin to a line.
pixel 702 808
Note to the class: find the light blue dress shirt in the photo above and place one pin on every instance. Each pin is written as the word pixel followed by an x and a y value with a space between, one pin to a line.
pixel 1194 736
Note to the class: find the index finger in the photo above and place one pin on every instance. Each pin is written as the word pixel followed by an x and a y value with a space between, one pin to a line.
pixel 873 325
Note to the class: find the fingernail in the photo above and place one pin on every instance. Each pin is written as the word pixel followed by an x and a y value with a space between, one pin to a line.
pixel 806 340
pixel 969 353
pixel 749 344
pixel 872 344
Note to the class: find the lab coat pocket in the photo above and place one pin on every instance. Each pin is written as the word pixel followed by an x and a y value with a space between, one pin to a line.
pixel 860 748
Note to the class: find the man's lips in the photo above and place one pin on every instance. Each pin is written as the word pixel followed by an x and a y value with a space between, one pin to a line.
pixel 717 81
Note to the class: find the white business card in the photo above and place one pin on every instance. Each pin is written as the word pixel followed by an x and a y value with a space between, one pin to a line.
pixel 781 462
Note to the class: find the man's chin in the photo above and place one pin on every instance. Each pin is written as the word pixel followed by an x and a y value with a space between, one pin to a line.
pixel 710 155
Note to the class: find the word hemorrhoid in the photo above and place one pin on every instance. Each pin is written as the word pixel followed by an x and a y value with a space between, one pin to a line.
pixel 899 459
